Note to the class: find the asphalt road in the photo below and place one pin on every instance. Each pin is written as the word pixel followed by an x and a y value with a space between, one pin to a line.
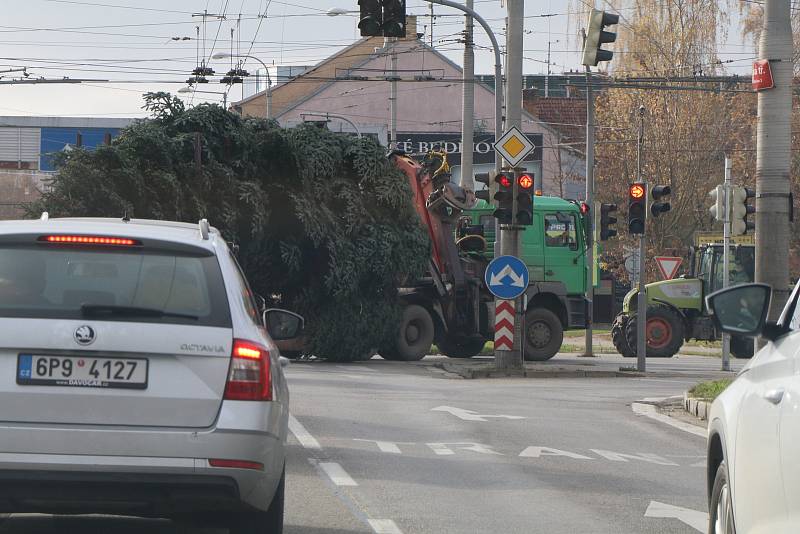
pixel 389 448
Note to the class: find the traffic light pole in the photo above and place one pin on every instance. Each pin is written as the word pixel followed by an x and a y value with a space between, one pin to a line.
pixel 588 351
pixel 505 360
pixel 641 302
pixel 726 258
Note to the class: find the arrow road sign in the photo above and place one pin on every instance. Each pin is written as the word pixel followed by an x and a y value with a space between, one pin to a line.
pixel 507 277
pixel 668 266
pixel 469 415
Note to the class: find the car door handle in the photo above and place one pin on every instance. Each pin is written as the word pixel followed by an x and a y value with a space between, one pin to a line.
pixel 549 273
pixel 775 396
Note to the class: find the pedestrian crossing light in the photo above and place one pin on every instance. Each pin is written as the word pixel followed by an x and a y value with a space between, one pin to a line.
pixel 504 199
pixel 658 207
pixel 394 18
pixel 607 221
pixel 637 211
pixel 740 210
pixel 596 37
pixel 524 200
pixel 371 19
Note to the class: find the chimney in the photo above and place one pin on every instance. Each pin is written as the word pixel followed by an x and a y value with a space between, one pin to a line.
pixel 411 28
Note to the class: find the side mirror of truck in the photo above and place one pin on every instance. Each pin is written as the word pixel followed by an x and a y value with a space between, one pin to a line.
pixel 283 324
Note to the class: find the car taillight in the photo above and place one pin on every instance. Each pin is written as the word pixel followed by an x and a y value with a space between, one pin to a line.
pixel 235 464
pixel 249 375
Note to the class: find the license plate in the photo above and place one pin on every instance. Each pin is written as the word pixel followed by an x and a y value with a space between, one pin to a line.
pixel 81 371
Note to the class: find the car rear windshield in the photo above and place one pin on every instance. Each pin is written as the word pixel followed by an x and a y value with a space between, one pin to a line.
pixel 137 285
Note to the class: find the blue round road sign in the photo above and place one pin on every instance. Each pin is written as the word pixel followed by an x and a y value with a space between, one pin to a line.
pixel 507 277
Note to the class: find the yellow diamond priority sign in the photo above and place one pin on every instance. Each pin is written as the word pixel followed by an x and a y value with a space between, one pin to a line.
pixel 514 146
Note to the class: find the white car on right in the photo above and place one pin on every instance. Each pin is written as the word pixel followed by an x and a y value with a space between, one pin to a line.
pixel 754 425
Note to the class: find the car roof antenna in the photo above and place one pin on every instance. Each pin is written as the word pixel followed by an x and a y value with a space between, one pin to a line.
pixel 125 217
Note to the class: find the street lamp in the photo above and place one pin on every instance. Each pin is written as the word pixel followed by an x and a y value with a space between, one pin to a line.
pixel 226 55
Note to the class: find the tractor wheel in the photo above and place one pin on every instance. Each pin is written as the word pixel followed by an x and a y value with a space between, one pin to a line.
pixel 544 334
pixel 742 347
pixel 665 332
pixel 618 336
pixel 461 347
pixel 415 337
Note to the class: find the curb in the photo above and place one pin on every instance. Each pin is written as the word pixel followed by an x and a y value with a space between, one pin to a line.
pixel 697 407
pixel 475 372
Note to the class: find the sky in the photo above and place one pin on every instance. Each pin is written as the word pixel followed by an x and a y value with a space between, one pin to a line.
pixel 123 48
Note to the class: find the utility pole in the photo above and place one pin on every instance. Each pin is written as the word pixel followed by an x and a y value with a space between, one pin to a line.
pixel 773 155
pixel 391 43
pixel 588 351
pixel 468 105
pixel 641 302
pixel 726 258
pixel 509 245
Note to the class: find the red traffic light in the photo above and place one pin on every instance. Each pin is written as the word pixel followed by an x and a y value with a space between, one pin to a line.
pixel 503 180
pixel 636 191
pixel 525 181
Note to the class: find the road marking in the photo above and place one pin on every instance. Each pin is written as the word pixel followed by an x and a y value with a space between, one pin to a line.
pixel 384 526
pixel 642 456
pixel 693 518
pixel 538 452
pixel 648 410
pixel 387 446
pixel 356 367
pixel 469 415
pixel 337 474
pixel 443 449
pixel 306 440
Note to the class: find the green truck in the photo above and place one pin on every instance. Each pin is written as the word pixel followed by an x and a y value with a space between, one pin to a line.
pixel 451 306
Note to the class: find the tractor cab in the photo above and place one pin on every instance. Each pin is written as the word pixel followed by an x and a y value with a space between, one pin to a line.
pixel 706 264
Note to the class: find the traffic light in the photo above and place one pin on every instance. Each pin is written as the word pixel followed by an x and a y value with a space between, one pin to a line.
pixel 371 20
pixel 596 37
pixel 740 209
pixel 637 210
pixel 483 178
pixel 658 192
pixel 524 200
pixel 394 18
pixel 607 221
pixel 504 199
pixel 718 198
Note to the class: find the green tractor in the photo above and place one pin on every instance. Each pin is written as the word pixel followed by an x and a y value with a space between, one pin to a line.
pixel 675 308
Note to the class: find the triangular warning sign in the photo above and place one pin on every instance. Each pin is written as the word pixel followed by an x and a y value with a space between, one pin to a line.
pixel 668 266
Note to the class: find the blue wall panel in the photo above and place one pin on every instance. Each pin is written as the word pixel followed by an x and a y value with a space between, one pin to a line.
pixel 55 139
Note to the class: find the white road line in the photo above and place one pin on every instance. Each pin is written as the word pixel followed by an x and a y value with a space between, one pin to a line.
pixel 693 518
pixel 648 410
pixel 337 474
pixel 356 367
pixel 303 436
pixel 384 526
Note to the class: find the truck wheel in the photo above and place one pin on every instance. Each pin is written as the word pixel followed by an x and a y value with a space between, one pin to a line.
pixel 742 347
pixel 618 336
pixel 415 337
pixel 544 335
pixel 461 347
pixel 664 331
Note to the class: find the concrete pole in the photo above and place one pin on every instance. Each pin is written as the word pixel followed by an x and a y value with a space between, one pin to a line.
pixel 726 257
pixel 468 106
pixel 393 97
pixel 509 245
pixel 641 302
pixel 588 352
pixel 773 156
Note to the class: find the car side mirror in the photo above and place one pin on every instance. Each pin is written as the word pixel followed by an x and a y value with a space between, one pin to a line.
pixel 283 324
pixel 741 310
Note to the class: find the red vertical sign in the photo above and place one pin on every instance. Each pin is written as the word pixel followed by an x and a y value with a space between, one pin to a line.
pixel 762 75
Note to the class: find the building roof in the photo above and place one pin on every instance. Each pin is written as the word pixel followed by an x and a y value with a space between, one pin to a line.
pixel 65 122
pixel 565 115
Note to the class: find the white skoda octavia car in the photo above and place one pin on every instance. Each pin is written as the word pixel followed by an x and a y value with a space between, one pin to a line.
pixel 754 425
pixel 137 375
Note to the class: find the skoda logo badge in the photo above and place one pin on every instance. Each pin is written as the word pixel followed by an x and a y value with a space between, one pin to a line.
pixel 84 335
